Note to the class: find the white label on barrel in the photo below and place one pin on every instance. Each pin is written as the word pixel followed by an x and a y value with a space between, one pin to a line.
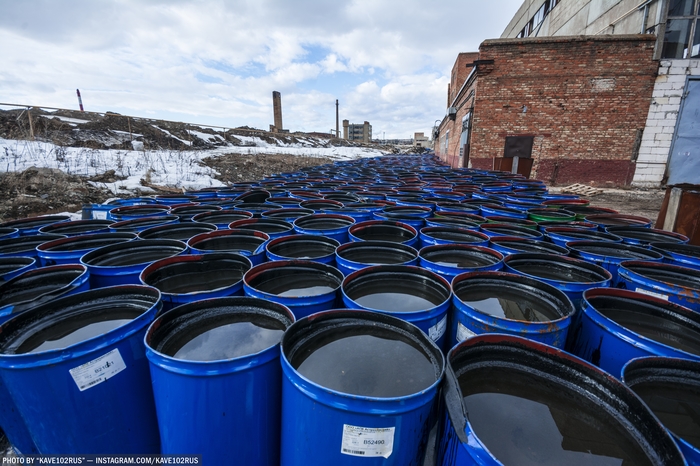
pixel 98 370
pixel 100 215
pixel 651 293
pixel 367 441
pixel 438 330
pixel 463 332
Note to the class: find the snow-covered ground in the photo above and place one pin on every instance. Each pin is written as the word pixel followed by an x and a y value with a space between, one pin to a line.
pixel 163 167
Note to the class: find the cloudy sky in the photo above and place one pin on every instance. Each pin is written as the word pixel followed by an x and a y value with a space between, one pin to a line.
pixel 217 62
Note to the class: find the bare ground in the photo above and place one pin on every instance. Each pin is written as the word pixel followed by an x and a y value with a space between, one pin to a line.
pixel 644 203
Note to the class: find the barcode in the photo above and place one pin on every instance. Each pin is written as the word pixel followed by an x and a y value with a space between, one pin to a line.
pixel 91 383
pixel 354 452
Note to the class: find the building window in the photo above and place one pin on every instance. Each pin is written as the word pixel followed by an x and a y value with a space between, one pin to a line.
pixel 536 21
pixel 682 36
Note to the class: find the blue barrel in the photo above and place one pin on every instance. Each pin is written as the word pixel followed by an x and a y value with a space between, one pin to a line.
pixel 192 277
pixel 518 222
pixel 562 235
pixel 410 293
pixel 493 210
pixel 317 205
pixel 507 245
pixel 174 199
pixel 450 260
pixel 38 286
pixel 70 250
pixel 478 219
pixel 288 214
pixel 359 255
pixel 6 233
pixel 76 227
pixel 330 225
pixel 362 385
pixel 611 255
pixel 456 207
pixel 304 286
pixel 131 212
pixel 359 215
pixel 616 326
pixel 680 285
pixel 572 276
pixel 670 387
pixel 179 231
pixel 30 226
pixel 122 263
pixel 274 228
pixel 217 379
pixel 384 230
pixel 499 302
pixel 505 229
pixel 187 212
pixel 510 400
pixel 222 218
pixel 605 221
pixel 431 236
pixel 257 209
pixel 642 236
pixel 24 246
pixel 308 247
pixel 255 196
pixel 287 201
pixel 61 361
pixel 10 267
pixel 685 255
pixel 451 222
pixel 542 226
pixel 137 225
pixel 414 216
pixel 250 243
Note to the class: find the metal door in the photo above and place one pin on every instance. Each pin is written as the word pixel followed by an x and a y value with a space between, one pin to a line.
pixel 684 162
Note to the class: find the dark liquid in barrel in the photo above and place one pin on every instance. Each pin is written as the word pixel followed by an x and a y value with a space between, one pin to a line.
pixel 199 280
pixel 375 365
pixel 525 421
pixel 664 331
pixel 306 291
pixel 676 405
pixel 558 272
pixel 75 330
pixel 229 341
pixel 395 302
pixel 509 304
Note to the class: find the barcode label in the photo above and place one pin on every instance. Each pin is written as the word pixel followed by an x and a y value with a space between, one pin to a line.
pixel 438 330
pixel 652 293
pixel 367 441
pixel 463 332
pixel 98 370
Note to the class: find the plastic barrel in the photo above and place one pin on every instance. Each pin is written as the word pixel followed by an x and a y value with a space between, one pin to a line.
pixel 542 226
pixel 288 214
pixel 179 231
pixel 450 260
pixel 192 277
pixel 359 255
pixel 221 218
pixel 518 222
pixel 174 199
pixel 562 235
pixel 140 224
pixel 616 326
pixel 611 255
pixel 6 233
pixel 121 264
pixel 24 246
pixel 330 225
pixel 250 243
pixel 507 245
pixel 79 355
pixel 504 229
pixel 130 212
pixel 186 213
pixel 642 236
pixel 550 214
pixel 414 216
pixel 680 285
pixel 431 236
pixel 10 267
pixel 451 222
pixel 611 220
pixel 37 286
pixel 583 211
pixel 76 227
pixel 376 417
pixel 499 302
pixel 308 247
pixel 30 226
pixel 542 410
pixel 222 402
pixel 274 228
pixel 492 210
pixel 70 250
pixel 384 230
pixel 410 293
pixel 304 286
pixel 670 388
pixel 684 255
pixel 572 276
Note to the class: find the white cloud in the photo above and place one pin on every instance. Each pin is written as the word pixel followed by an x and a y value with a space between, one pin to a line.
pixel 218 62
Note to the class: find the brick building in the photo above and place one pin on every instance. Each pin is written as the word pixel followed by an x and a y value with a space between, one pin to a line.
pixel 564 109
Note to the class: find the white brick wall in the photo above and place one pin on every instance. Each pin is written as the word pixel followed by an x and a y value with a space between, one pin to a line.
pixel 661 121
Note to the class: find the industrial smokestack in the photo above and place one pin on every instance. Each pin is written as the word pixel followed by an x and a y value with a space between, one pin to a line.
pixel 277 109
pixel 337 122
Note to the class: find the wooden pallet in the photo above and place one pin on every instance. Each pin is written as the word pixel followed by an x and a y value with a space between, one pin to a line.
pixel 581 189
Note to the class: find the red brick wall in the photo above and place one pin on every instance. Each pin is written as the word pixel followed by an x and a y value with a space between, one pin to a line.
pixel 586 98
pixel 459 74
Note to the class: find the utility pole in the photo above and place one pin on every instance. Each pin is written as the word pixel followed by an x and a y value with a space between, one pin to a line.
pixel 337 121
pixel 80 100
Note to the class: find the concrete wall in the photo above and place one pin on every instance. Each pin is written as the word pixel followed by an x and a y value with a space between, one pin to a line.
pixel 661 120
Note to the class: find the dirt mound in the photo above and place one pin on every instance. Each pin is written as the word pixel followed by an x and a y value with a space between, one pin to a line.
pixel 234 168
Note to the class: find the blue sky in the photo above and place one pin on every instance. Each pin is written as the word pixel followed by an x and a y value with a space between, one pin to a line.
pixel 217 62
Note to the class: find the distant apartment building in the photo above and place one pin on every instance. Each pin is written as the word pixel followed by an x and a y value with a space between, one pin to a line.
pixel 420 140
pixel 356 132
pixel 670 146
